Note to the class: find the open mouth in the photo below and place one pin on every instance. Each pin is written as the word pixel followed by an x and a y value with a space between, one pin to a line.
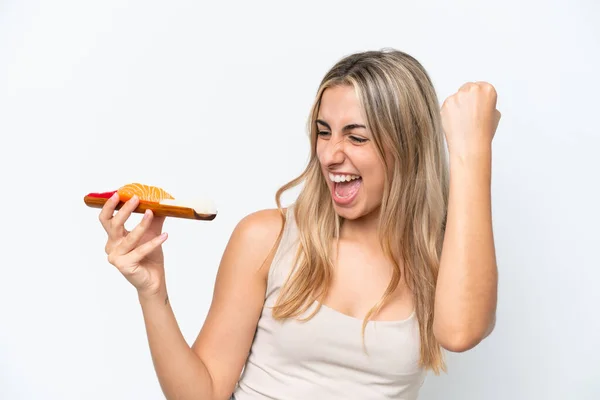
pixel 345 187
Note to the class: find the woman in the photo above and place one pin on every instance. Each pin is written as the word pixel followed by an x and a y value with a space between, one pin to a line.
pixel 352 292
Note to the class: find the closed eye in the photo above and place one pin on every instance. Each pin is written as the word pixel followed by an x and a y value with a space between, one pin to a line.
pixel 357 139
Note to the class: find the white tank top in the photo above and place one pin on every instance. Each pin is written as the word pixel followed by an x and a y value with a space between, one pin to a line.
pixel 324 358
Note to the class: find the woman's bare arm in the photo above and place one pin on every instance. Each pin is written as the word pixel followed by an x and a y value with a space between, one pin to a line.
pixel 211 367
pixel 225 339
pixel 466 294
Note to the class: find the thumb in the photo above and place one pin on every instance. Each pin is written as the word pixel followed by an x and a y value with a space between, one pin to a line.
pixel 498 115
pixel 495 122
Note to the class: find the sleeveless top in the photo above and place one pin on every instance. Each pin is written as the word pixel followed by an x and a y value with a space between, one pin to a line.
pixel 324 357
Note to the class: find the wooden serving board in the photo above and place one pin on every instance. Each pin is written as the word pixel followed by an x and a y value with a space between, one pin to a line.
pixel 159 210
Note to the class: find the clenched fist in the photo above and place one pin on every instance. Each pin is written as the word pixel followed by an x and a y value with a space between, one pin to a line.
pixel 470 118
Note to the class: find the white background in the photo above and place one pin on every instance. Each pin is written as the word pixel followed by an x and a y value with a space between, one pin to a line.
pixel 212 98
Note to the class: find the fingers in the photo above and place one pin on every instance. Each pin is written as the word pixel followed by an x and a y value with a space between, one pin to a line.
pixel 125 261
pixel 156 223
pixel 107 211
pixel 118 221
pixel 134 237
pixel 142 251
pixel 115 225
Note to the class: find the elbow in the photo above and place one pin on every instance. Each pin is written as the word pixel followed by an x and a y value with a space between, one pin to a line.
pixel 459 339
pixel 458 342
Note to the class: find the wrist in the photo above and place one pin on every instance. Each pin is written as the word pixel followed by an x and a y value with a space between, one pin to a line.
pixel 473 160
pixel 157 295
pixel 471 154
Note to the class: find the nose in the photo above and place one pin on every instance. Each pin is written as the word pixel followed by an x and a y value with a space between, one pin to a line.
pixel 333 153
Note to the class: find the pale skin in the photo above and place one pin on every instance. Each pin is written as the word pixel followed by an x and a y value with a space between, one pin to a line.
pixel 466 289
pixel 466 293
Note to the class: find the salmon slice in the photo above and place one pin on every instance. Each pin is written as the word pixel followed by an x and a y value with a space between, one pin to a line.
pixel 146 193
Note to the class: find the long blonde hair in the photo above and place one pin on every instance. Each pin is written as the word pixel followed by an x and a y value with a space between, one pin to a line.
pixel 403 114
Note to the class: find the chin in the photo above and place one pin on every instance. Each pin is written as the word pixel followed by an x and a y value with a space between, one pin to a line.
pixel 352 210
pixel 349 213
pixel 356 212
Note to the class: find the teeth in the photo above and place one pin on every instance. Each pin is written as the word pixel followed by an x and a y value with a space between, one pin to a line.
pixel 342 178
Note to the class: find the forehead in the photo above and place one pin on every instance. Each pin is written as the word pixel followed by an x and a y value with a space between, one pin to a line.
pixel 340 104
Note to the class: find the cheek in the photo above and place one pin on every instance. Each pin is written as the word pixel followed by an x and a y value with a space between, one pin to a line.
pixel 377 179
pixel 374 176
pixel 371 164
pixel 319 151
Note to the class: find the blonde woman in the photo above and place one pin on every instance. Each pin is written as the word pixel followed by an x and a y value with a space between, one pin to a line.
pixel 385 258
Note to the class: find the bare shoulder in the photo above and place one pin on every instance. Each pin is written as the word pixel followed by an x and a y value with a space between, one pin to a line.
pixel 257 232
pixel 260 226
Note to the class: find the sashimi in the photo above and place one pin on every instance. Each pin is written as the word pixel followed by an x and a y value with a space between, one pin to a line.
pixel 158 200
pixel 148 193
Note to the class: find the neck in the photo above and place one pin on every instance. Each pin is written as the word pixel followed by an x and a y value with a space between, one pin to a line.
pixel 363 229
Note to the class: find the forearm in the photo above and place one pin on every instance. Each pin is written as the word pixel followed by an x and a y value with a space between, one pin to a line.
pixel 466 292
pixel 181 373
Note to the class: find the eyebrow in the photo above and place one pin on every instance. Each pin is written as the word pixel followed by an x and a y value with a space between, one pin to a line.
pixel 345 128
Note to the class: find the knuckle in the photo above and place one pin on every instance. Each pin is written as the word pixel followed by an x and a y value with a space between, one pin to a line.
pixel 117 219
pixel 133 236
pixel 111 258
pixel 487 87
pixel 140 252
pixel 466 87
pixel 109 246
